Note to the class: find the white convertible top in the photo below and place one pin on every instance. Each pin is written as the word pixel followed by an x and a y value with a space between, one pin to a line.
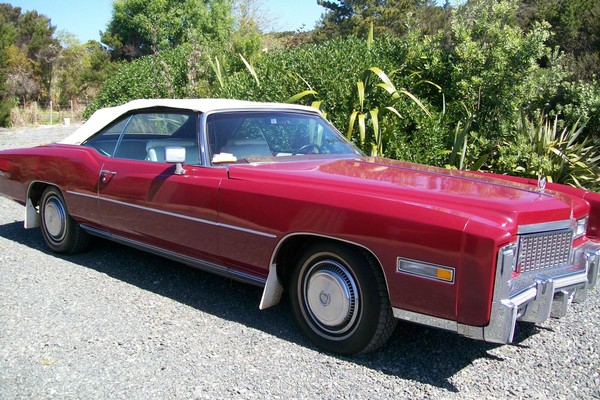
pixel 105 116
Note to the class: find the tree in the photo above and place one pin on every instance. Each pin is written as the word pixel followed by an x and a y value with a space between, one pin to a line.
pixel 354 17
pixel 142 27
pixel 22 80
pixel 569 20
pixel 80 70
pixel 28 52
pixel 35 38
pixel 7 37
pixel 97 68
pixel 576 31
pixel 248 27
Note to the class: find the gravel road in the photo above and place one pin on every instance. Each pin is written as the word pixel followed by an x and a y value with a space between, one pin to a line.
pixel 116 323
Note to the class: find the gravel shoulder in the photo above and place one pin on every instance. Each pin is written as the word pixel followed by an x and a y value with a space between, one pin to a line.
pixel 118 323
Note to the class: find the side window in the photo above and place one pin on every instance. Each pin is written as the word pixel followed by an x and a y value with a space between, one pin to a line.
pixel 105 142
pixel 236 136
pixel 144 136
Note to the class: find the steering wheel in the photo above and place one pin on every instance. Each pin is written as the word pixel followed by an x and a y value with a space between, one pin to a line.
pixel 303 149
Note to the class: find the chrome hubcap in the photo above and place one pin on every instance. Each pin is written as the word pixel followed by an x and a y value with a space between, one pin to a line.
pixel 55 218
pixel 331 296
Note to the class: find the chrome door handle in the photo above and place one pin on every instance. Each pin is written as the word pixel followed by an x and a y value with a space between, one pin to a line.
pixel 104 175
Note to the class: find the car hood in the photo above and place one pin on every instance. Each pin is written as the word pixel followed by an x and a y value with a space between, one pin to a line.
pixel 472 195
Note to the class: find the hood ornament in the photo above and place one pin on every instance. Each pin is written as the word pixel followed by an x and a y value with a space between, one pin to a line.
pixel 542 183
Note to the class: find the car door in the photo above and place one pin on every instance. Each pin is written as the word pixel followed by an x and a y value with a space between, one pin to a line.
pixel 142 200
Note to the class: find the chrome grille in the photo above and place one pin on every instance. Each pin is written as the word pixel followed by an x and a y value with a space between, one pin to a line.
pixel 542 251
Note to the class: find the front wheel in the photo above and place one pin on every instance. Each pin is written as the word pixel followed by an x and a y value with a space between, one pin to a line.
pixel 61 232
pixel 339 299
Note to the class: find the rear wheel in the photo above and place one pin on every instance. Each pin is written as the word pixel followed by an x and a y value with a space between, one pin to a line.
pixel 339 299
pixel 60 231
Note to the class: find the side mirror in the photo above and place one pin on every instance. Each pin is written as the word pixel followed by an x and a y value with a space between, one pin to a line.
pixel 175 155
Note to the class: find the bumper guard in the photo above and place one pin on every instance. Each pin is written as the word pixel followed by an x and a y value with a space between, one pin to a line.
pixel 547 296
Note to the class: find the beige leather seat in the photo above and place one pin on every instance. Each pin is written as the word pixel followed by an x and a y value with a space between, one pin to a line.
pixel 156 150
pixel 247 148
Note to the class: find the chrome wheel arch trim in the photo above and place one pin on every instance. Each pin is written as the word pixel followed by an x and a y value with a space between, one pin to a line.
pixel 273 289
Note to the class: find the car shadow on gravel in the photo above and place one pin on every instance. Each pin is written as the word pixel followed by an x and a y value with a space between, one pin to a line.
pixel 434 356
pixel 425 355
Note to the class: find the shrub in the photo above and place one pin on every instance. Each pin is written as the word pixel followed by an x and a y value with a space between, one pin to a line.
pixel 329 73
pixel 543 149
pixel 161 75
pixel 489 65
pixel 6 104
pixel 579 100
pixel 452 98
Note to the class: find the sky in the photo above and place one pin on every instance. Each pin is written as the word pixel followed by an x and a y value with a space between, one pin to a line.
pixel 86 19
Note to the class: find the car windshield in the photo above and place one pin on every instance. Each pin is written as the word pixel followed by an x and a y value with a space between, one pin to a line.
pixel 271 135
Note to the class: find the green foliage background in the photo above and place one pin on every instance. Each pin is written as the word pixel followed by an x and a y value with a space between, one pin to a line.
pixel 483 85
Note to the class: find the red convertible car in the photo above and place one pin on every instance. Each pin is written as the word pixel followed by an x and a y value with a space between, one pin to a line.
pixel 273 195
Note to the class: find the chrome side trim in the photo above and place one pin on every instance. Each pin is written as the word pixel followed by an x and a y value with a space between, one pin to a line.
pixel 175 215
pixel 171 255
pixel 154 210
pixel 251 231
pixel 544 227
pixel 426 320
pixel 473 332
pixel 96 232
pixel 90 196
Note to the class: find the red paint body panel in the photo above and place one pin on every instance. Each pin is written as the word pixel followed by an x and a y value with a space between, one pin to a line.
pixel 578 196
pixel 237 215
pixel 397 209
pixel 156 194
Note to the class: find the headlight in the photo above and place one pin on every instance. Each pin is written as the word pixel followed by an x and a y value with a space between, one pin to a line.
pixel 580 227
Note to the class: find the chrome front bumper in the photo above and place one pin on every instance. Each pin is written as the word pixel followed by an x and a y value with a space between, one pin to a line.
pixel 537 298
pixel 546 295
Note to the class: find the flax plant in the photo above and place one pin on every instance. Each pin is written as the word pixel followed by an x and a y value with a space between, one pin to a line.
pixel 542 148
pixel 378 111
